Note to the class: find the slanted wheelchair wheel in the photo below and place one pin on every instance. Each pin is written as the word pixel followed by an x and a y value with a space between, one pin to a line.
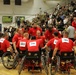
pixel 16 61
pixel 7 60
pixel 44 64
pixel 53 67
pixel 21 65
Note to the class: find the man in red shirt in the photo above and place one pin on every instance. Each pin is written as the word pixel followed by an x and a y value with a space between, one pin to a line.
pixel 34 45
pixel 51 43
pixel 18 36
pixel 32 31
pixel 74 22
pixel 5 44
pixel 49 33
pixel 22 44
pixel 38 36
pixel 64 44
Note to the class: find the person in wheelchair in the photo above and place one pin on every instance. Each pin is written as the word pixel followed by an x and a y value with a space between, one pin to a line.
pixel 22 44
pixel 52 43
pixel 65 45
pixel 5 44
pixel 34 46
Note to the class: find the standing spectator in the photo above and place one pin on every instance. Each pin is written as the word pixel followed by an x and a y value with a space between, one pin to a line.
pixel 71 32
pixel 33 30
pixel 49 33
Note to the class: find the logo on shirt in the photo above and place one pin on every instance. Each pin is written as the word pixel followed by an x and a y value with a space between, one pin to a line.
pixel 32 43
pixel 65 40
pixel 55 41
pixel 2 40
pixel 22 44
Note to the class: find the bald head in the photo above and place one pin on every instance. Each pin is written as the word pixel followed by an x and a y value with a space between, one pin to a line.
pixel 26 35
pixel 65 34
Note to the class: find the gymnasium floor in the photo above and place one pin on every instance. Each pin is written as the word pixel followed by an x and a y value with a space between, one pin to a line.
pixel 4 71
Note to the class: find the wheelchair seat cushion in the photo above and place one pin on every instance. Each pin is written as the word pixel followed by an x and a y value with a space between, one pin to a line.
pixel 33 55
pixel 67 56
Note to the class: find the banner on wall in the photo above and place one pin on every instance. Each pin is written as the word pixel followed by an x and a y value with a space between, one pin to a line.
pixel 7 19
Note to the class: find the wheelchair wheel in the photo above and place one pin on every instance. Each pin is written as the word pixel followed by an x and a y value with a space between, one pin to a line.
pixel 44 64
pixel 16 61
pixel 21 65
pixel 7 60
pixel 53 67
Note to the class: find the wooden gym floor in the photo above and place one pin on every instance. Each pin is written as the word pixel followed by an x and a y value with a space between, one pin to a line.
pixel 4 71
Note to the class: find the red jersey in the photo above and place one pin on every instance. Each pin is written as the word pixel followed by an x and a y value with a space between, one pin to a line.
pixel 22 44
pixel 49 35
pixel 52 43
pixel 74 24
pixel 4 44
pixel 33 45
pixel 65 45
pixel 33 31
pixel 16 38
pixel 42 38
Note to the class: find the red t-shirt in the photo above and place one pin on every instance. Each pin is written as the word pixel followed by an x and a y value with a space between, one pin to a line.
pixel 22 44
pixel 49 35
pixel 4 44
pixel 33 45
pixel 16 38
pixel 52 43
pixel 42 38
pixel 74 24
pixel 65 45
pixel 33 31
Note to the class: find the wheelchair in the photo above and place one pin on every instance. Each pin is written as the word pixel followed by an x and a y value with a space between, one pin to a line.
pixel 7 59
pixel 53 64
pixel 18 58
pixel 67 61
pixel 31 61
